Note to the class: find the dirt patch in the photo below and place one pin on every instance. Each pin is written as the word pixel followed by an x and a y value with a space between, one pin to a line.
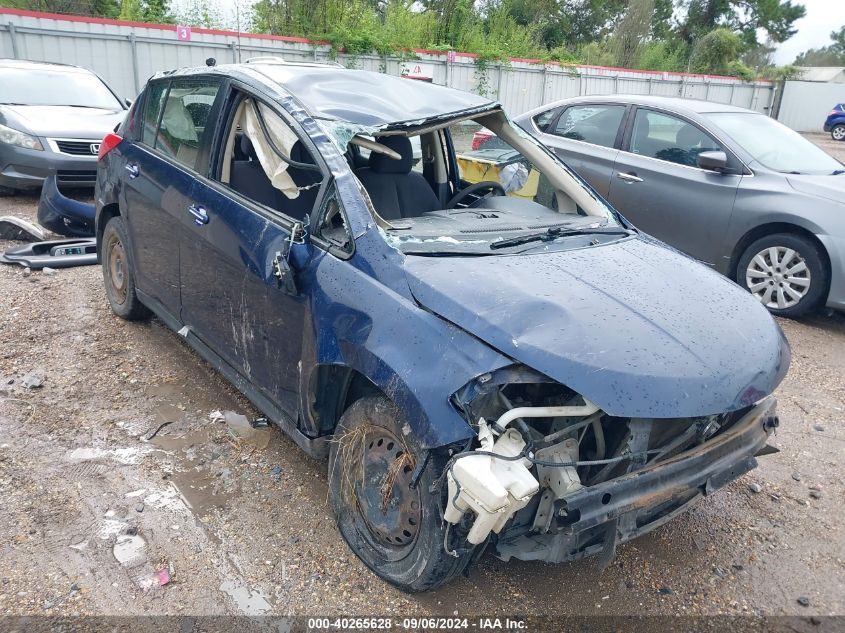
pixel 92 515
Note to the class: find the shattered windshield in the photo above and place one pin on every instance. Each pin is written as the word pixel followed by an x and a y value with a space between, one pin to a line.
pixel 476 186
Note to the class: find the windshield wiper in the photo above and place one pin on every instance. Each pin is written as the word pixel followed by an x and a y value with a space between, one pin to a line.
pixel 559 231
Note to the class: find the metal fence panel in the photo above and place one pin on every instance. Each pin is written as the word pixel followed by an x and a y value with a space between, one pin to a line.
pixel 126 55
pixel 805 104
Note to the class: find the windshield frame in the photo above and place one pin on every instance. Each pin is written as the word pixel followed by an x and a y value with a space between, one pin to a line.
pixel 716 118
pixel 592 207
pixel 69 74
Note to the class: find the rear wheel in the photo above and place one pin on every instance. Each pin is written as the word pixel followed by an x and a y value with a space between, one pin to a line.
pixel 118 276
pixel 394 528
pixel 785 272
pixel 837 132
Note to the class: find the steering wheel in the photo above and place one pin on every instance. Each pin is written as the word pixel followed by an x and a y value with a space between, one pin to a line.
pixel 490 185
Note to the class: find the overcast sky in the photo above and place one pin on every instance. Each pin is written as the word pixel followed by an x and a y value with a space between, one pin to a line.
pixel 823 16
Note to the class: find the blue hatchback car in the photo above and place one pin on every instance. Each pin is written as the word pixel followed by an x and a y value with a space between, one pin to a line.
pixel 489 356
pixel 835 122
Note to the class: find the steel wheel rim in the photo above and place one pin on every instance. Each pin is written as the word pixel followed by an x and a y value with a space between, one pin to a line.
pixel 117 269
pixel 389 508
pixel 839 133
pixel 779 277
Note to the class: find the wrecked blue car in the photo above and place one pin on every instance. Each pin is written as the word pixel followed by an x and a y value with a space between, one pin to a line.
pixel 490 361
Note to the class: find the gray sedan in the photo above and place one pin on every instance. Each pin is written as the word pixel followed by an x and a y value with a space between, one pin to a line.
pixel 52 119
pixel 730 187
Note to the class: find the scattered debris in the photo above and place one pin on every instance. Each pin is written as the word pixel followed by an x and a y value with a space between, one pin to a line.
pixel 129 549
pixel 240 430
pixel 815 494
pixel 804 601
pixel 164 575
pixel 217 416
pixel 53 254
pixel 158 428
pixel 666 591
pixel 49 271
pixel 259 422
pixel 276 472
pixel 755 487
pixel 796 476
pixel 64 215
pixel 12 228
pixel 818 427
pixel 139 507
pixel 34 379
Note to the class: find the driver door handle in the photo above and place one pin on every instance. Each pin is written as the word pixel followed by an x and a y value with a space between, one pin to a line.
pixel 132 169
pixel 628 177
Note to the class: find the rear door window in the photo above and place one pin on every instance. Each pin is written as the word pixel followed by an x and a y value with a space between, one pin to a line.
pixel 592 123
pixel 153 103
pixel 184 119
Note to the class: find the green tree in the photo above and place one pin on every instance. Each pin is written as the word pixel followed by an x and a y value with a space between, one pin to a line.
pixel 715 52
pixel 632 32
pixel 832 55
pixel 745 17
pixel 93 8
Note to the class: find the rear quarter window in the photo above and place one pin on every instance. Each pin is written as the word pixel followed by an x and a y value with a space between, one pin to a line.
pixel 153 102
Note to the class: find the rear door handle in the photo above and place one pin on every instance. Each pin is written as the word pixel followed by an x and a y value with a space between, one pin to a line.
pixel 628 177
pixel 132 170
pixel 199 213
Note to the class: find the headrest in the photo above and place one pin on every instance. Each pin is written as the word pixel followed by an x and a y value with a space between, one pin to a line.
pixel 300 154
pixel 383 164
pixel 689 136
pixel 247 148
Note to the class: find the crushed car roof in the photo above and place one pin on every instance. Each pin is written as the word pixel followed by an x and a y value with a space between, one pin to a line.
pixel 360 97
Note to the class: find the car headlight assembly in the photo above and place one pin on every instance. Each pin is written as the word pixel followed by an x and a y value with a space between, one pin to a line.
pixel 11 136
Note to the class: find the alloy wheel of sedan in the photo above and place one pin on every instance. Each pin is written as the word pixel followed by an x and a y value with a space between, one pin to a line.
pixel 838 132
pixel 779 277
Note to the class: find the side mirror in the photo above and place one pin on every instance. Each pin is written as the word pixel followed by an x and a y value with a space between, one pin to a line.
pixel 128 102
pixel 713 161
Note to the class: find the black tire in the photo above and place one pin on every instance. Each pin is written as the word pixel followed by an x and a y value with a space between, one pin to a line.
pixel 838 129
pixel 812 280
pixel 118 276
pixel 370 432
pixel 6 191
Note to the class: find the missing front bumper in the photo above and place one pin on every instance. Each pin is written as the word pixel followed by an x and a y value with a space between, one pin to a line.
pixel 596 518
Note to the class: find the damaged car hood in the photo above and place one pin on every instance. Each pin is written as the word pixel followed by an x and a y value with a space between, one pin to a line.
pixel 639 329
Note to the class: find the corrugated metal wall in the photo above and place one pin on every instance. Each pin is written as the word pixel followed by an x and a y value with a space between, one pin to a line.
pixel 125 55
pixel 806 104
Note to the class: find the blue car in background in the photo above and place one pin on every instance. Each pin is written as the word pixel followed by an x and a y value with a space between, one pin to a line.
pixel 504 364
pixel 835 122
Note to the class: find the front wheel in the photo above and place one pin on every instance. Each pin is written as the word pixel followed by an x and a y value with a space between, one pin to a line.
pixel 785 272
pixel 396 530
pixel 837 132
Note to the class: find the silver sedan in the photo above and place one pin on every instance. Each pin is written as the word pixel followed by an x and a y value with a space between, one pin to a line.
pixel 730 187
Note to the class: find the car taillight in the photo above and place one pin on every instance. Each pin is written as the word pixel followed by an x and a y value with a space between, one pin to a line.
pixel 108 144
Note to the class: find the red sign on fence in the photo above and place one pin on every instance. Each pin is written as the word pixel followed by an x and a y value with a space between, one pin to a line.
pixel 183 33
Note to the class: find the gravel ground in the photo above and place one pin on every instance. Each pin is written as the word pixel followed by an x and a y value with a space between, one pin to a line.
pixel 93 518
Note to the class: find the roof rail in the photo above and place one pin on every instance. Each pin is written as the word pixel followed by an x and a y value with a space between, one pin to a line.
pixel 266 59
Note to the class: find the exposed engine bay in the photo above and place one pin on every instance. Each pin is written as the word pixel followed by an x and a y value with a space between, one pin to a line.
pixel 551 477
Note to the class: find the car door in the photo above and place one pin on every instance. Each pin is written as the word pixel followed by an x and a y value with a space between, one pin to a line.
pixel 157 188
pixel 232 297
pixel 659 187
pixel 586 137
